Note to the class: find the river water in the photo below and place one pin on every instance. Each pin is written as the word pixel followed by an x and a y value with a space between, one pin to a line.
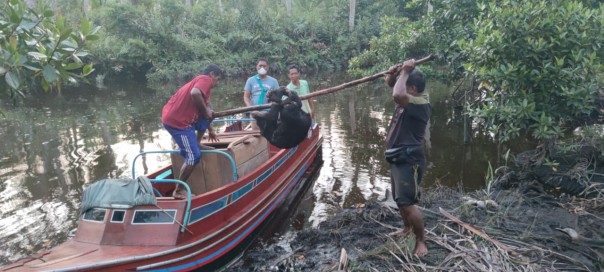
pixel 54 144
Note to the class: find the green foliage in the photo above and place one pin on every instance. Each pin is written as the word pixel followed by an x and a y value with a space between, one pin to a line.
pixel 168 42
pixel 592 135
pixel 421 33
pixel 541 62
pixel 489 179
pixel 394 45
pixel 38 48
pixel 544 61
pixel 453 21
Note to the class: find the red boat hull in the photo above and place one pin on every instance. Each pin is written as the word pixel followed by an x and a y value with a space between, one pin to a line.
pixel 219 221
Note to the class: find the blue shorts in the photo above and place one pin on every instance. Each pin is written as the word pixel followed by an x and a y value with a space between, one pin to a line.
pixel 186 139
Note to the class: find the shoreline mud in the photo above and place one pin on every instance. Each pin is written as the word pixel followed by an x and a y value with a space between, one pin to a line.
pixel 524 227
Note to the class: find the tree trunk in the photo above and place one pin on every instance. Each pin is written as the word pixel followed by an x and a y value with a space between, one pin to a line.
pixel 353 4
pixel 86 7
pixel 220 6
pixel 188 3
pixel 31 4
pixel 288 7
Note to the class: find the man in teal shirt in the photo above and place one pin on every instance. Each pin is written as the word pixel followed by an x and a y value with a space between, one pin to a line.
pixel 301 87
pixel 257 86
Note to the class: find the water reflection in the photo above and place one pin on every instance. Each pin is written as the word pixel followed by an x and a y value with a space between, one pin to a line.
pixel 51 147
pixel 54 145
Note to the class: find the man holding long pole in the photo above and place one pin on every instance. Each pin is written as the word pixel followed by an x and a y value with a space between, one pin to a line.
pixel 404 145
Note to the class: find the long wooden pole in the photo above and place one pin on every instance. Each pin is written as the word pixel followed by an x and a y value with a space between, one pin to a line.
pixel 317 93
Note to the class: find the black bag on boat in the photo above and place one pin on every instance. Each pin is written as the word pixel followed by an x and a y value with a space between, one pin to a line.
pixel 285 125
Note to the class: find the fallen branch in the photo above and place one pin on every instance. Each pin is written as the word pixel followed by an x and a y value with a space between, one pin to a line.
pixel 283 258
pixel 343 264
pixel 477 232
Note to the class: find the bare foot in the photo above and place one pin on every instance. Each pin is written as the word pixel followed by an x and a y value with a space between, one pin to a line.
pixel 420 249
pixel 401 232
pixel 181 194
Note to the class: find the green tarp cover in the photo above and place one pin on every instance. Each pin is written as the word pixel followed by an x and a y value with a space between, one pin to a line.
pixel 118 193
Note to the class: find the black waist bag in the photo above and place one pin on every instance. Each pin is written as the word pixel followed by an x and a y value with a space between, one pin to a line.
pixel 403 154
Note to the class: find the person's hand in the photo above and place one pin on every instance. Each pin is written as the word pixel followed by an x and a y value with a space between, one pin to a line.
pixel 212 136
pixel 408 66
pixel 210 114
pixel 394 70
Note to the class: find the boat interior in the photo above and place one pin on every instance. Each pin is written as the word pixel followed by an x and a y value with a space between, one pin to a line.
pixel 247 151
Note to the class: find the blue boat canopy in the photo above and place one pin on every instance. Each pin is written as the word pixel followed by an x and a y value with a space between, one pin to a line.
pixel 118 193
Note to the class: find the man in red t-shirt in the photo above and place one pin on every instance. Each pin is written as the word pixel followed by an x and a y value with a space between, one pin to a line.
pixel 186 112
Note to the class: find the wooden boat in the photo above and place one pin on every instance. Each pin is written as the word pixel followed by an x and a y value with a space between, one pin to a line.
pixel 236 187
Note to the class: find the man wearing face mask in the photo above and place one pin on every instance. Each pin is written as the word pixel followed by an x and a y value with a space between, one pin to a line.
pixel 257 86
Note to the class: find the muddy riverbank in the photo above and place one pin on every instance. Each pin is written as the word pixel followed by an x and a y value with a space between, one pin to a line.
pixel 523 227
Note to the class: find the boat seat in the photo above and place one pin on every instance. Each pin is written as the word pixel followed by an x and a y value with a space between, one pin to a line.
pixel 248 150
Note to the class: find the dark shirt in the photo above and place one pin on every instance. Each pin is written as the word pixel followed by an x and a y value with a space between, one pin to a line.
pixel 408 126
